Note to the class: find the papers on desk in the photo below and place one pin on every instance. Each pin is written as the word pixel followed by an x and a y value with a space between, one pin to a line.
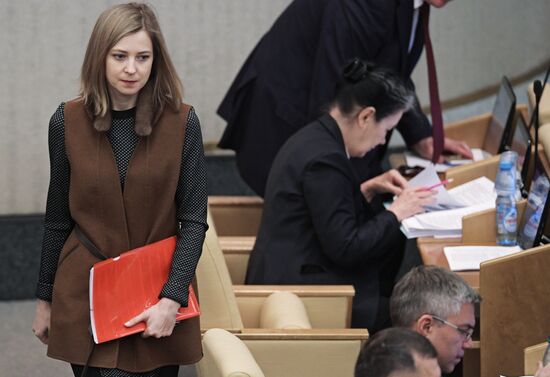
pixel 427 178
pixel 444 218
pixel 446 223
pixel 463 258
pixel 468 194
pixel 412 160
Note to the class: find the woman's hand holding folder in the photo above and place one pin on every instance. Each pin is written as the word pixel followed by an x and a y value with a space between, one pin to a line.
pixel 159 319
pixel 41 324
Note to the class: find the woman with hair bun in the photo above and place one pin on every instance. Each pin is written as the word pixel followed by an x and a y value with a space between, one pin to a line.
pixel 320 224
pixel 127 169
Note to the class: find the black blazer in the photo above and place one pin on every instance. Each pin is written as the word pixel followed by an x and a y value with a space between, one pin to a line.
pixel 293 71
pixel 318 229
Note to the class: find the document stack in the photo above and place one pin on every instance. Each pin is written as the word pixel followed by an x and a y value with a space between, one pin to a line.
pixel 444 219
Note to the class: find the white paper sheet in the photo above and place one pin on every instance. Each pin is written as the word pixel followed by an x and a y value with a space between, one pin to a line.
pixel 478 191
pixel 412 159
pixel 480 154
pixel 444 219
pixel 446 223
pixel 428 177
pixel 462 258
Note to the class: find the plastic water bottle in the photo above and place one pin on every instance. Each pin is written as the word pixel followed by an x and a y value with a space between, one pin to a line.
pixel 507 172
pixel 533 212
pixel 506 209
pixel 546 356
pixel 507 219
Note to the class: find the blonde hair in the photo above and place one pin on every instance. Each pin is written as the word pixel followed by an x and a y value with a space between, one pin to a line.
pixel 112 25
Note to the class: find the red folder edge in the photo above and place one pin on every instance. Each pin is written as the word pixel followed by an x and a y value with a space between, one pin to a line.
pixel 112 281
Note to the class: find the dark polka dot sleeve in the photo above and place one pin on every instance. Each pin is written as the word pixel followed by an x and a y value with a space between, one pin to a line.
pixel 191 202
pixel 57 222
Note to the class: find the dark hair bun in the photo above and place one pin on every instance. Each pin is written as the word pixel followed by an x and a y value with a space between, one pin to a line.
pixel 356 70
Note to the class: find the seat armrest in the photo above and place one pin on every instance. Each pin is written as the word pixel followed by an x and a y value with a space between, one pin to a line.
pixel 306 353
pixel 328 306
pixel 225 355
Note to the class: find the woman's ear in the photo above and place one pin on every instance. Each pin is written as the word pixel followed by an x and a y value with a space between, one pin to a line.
pixel 366 115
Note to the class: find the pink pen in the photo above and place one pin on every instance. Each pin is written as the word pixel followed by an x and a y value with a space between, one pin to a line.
pixel 442 183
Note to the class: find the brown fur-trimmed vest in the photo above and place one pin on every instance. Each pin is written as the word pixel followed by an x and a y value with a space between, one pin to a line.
pixel 117 221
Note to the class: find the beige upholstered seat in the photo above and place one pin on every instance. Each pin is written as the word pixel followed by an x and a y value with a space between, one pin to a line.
pixel 544 139
pixel 233 307
pixel 544 107
pixel 225 355
pixel 329 349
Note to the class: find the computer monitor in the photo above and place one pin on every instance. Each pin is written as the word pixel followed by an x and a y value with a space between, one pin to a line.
pixel 521 144
pixel 521 140
pixel 500 127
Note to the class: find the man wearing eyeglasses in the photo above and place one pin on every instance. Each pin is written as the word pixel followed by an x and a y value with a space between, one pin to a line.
pixel 439 305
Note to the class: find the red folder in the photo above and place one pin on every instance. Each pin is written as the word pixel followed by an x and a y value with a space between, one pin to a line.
pixel 122 287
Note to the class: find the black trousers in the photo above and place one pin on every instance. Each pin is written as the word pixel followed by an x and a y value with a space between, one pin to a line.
pixel 167 371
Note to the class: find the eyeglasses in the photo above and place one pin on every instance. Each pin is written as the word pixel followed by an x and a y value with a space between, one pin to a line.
pixel 466 333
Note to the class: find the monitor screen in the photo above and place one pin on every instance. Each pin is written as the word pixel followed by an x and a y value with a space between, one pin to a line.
pixel 521 144
pixel 499 130
pixel 521 139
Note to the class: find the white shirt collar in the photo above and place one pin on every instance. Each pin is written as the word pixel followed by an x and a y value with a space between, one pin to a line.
pixel 418 3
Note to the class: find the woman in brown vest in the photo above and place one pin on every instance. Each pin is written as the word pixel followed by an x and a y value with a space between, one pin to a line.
pixel 127 168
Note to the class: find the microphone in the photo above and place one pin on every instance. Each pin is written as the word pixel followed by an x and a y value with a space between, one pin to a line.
pixel 537 88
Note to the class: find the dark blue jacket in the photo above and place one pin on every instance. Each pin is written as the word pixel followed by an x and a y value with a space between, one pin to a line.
pixel 293 71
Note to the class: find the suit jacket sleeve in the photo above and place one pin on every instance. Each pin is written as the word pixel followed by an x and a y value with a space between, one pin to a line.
pixel 414 125
pixel 357 28
pixel 349 28
pixel 345 240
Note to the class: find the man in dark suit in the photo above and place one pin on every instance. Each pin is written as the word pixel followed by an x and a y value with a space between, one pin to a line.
pixel 292 73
